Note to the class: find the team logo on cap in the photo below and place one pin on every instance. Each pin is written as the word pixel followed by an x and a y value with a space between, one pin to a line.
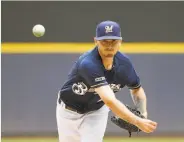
pixel 108 29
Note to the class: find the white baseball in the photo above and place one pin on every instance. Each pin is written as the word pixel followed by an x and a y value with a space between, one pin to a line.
pixel 38 30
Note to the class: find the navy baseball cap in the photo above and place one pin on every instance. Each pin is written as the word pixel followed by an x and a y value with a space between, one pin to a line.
pixel 108 30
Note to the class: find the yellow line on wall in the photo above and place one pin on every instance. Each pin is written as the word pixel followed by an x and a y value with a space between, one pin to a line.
pixel 134 48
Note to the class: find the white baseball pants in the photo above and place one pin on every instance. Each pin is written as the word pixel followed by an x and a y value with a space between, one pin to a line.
pixel 75 127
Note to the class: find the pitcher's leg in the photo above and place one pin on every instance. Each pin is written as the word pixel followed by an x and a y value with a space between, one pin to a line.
pixel 67 128
pixel 94 125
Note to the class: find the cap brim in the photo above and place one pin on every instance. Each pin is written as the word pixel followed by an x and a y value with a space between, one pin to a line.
pixel 108 37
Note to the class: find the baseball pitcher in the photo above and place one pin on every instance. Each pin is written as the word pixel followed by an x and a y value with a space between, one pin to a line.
pixel 88 94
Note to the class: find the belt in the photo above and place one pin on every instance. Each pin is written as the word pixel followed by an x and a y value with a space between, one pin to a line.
pixel 72 109
pixel 69 108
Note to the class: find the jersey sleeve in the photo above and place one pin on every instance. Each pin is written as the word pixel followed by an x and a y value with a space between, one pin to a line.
pixel 92 73
pixel 130 76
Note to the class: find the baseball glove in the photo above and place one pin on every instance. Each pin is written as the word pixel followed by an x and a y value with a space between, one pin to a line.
pixel 126 125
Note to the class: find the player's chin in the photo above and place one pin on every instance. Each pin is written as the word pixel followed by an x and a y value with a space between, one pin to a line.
pixel 109 55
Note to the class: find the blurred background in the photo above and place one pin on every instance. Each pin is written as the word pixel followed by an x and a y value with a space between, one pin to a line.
pixel 34 69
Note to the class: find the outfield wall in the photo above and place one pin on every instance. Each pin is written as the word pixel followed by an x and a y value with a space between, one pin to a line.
pixel 30 82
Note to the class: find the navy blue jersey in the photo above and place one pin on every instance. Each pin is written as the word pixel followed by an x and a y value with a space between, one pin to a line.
pixel 88 73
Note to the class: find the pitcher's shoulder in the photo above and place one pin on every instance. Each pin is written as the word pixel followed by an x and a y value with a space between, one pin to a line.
pixel 123 58
pixel 90 63
pixel 89 58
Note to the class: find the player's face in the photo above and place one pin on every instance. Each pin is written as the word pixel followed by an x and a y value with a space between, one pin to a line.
pixel 108 48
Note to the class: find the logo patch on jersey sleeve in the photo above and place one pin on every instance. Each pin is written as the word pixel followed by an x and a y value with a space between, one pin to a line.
pixel 79 88
pixel 115 87
pixel 99 79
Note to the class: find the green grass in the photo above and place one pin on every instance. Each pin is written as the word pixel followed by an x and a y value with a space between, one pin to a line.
pixel 151 139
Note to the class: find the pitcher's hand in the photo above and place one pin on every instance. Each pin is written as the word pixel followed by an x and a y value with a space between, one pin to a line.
pixel 146 125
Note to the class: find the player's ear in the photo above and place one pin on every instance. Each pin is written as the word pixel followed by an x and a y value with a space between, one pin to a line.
pixel 95 41
pixel 121 41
